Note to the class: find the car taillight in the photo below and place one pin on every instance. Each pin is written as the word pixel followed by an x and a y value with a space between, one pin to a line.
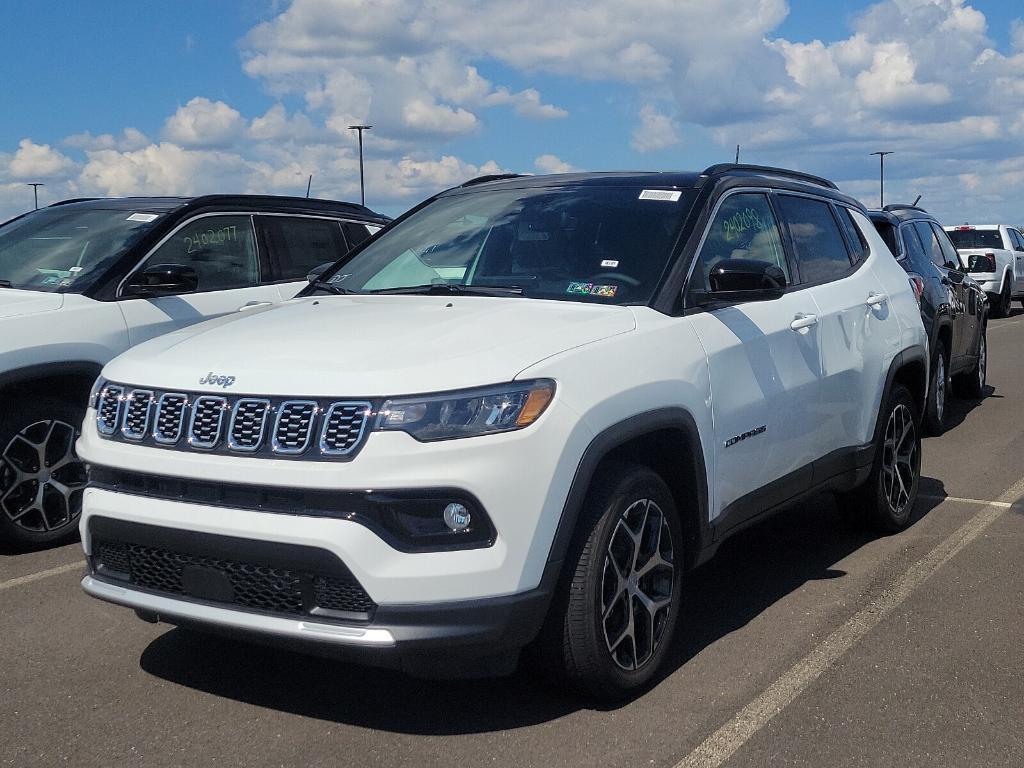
pixel 917 283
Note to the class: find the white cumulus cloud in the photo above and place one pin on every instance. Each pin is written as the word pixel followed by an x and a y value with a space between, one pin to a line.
pixel 204 123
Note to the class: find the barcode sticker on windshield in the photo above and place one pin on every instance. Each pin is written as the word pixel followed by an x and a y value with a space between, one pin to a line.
pixel 145 217
pixel 667 195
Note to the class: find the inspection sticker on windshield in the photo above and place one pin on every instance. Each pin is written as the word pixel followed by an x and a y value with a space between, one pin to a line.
pixel 668 195
pixel 144 217
pixel 589 289
pixel 610 263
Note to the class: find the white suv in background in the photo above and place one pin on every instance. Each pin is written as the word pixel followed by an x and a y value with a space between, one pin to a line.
pixel 994 254
pixel 83 280
pixel 516 417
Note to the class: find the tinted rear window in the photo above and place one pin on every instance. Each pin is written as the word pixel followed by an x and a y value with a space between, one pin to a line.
pixel 976 238
pixel 888 234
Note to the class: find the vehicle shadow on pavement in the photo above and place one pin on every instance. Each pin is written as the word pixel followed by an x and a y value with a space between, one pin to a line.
pixel 958 408
pixel 751 572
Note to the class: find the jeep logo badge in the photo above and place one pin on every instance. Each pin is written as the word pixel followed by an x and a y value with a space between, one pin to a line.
pixel 220 381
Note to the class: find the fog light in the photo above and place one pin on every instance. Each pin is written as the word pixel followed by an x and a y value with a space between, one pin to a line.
pixel 457 517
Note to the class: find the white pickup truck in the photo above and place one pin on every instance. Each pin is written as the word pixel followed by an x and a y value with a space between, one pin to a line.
pixel 1002 247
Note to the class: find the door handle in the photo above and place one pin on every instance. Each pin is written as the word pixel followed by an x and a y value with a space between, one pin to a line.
pixel 254 305
pixel 876 299
pixel 802 321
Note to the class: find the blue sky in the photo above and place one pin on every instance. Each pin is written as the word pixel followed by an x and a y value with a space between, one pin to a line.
pixel 115 98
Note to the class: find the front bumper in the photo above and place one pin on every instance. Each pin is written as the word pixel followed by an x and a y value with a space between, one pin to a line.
pixel 460 638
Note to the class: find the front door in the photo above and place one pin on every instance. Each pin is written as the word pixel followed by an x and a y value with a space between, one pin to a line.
pixel 222 250
pixel 765 369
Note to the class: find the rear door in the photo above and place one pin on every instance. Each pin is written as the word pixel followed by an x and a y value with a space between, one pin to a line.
pixel 298 244
pixel 965 306
pixel 222 249
pixel 764 365
pixel 857 329
pixel 1017 241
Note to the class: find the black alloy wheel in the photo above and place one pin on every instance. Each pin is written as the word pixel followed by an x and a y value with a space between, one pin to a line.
pixel 42 480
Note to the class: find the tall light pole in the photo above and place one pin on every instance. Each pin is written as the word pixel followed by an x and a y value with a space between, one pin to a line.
pixel 362 186
pixel 35 191
pixel 881 177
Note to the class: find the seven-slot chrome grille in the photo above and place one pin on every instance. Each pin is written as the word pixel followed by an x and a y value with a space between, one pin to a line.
pixel 259 426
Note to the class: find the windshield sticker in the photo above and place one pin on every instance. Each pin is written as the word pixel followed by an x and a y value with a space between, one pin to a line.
pixel 143 217
pixel 610 263
pixel 589 289
pixel 668 195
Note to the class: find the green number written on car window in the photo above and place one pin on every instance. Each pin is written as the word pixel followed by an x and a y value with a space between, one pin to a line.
pixel 200 240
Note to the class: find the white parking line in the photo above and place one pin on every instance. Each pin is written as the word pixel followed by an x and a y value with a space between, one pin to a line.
pixel 721 744
pixel 40 575
pixel 997 326
pixel 959 500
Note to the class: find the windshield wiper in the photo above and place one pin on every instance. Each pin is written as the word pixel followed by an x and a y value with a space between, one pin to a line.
pixel 6 284
pixel 453 289
pixel 320 285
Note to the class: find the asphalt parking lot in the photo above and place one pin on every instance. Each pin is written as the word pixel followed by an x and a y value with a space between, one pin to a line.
pixel 803 644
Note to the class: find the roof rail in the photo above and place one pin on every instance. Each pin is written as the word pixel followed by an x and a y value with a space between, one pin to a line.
pixel 491 177
pixel 73 200
pixel 767 170
pixel 903 207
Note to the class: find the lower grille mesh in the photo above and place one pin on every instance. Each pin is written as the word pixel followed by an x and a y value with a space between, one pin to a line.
pixel 254 586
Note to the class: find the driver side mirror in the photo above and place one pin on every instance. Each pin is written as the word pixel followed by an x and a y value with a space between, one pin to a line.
pixel 982 262
pixel 316 272
pixel 161 280
pixel 740 280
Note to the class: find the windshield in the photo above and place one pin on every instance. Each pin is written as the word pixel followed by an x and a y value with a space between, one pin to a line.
pixel 65 249
pixel 975 238
pixel 594 244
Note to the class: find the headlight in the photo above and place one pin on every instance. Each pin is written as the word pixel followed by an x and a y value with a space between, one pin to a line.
pixel 471 412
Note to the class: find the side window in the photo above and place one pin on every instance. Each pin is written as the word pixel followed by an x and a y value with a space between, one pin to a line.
pixel 821 253
pixel 949 254
pixel 221 249
pixel 300 244
pixel 858 245
pixel 930 243
pixel 915 251
pixel 355 233
pixel 744 228
pixel 1018 240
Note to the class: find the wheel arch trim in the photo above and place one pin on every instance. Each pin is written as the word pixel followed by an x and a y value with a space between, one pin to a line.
pixel 617 436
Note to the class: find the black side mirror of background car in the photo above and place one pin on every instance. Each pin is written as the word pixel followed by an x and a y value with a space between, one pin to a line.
pixel 736 280
pixel 982 262
pixel 161 280
pixel 316 272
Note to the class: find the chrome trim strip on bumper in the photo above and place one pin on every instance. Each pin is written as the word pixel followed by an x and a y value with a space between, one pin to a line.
pixel 300 629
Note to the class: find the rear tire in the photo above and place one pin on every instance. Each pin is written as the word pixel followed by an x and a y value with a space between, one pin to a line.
pixel 41 477
pixel 1002 306
pixel 885 502
pixel 614 615
pixel 938 393
pixel 973 383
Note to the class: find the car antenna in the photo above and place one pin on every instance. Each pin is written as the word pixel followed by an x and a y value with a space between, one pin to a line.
pixel 916 201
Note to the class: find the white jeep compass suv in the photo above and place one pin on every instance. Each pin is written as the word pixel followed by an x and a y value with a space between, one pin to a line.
pixel 516 417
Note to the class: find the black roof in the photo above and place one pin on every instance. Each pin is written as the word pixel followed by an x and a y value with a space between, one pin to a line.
pixel 259 202
pixel 900 212
pixel 721 172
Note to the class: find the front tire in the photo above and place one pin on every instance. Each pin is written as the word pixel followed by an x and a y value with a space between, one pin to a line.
pixel 41 477
pixel 619 600
pixel 938 393
pixel 885 502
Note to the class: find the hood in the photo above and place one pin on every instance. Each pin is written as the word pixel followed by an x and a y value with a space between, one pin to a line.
pixel 369 346
pixel 15 302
